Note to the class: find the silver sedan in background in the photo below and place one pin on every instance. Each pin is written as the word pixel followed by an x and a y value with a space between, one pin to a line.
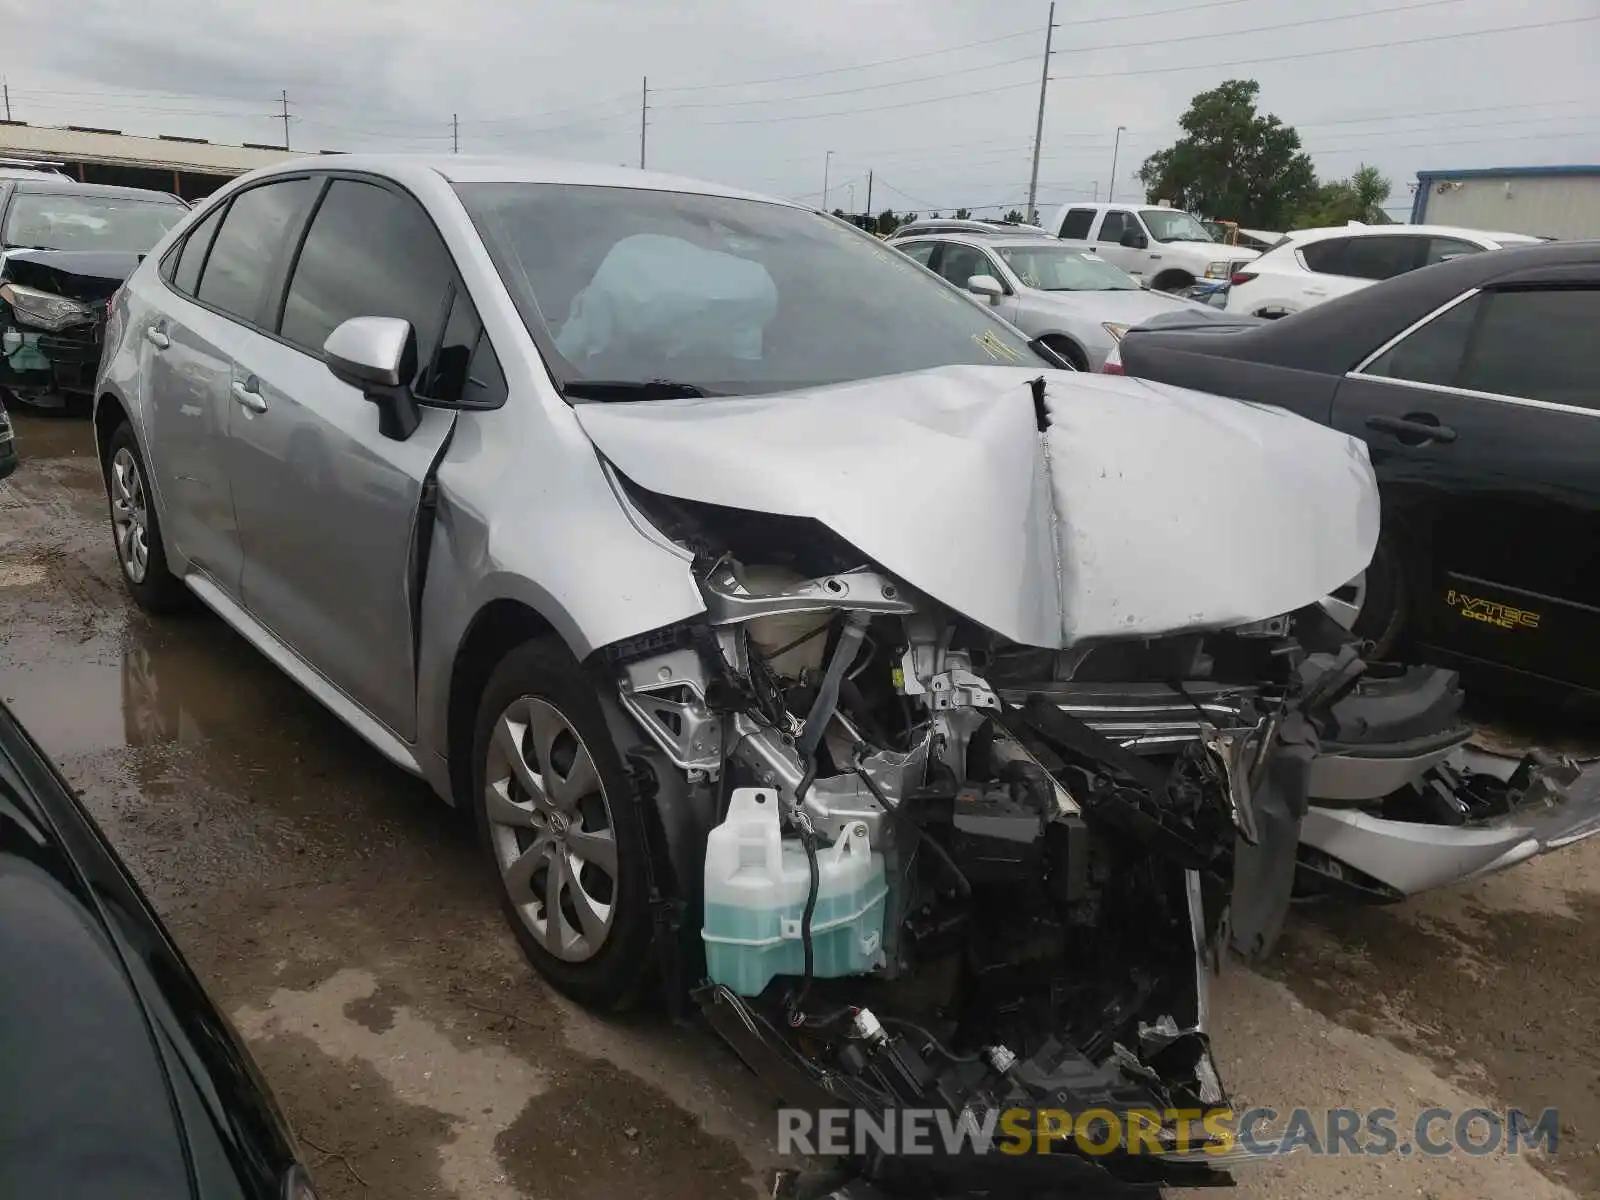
pixel 1074 300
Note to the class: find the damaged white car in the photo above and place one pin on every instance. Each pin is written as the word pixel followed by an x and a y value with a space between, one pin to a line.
pixel 806 642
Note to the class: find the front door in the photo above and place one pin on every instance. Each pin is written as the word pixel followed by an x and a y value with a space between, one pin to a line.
pixel 1108 242
pixel 328 507
pixel 1484 429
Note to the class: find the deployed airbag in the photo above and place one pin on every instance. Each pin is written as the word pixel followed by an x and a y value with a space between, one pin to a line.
pixel 659 297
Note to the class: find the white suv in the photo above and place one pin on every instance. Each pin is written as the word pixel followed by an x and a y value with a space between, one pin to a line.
pixel 1313 265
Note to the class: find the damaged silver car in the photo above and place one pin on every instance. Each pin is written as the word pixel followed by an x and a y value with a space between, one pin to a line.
pixel 812 649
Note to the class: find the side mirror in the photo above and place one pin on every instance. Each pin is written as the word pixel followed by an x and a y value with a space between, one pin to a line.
pixel 1134 240
pixel 986 285
pixel 378 356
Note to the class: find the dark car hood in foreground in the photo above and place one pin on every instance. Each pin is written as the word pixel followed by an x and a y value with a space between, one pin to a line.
pixel 88 275
pixel 117 1075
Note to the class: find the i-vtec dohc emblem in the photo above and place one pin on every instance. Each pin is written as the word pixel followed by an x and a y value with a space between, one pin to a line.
pixel 1491 612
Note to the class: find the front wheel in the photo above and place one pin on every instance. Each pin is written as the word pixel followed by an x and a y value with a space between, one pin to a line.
pixel 558 817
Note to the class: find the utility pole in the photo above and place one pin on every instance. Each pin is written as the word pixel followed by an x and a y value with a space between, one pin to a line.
pixel 644 107
pixel 7 88
pixel 1038 125
pixel 1116 145
pixel 869 193
pixel 455 133
pixel 285 96
pixel 827 161
pixel 852 199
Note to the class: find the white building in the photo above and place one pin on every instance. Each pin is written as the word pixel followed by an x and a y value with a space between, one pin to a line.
pixel 1559 202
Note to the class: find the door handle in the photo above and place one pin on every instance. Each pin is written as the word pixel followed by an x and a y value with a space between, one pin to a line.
pixel 249 397
pixel 1414 429
pixel 156 337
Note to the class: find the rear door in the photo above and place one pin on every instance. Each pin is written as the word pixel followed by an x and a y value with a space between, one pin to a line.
pixel 213 287
pixel 1502 502
pixel 328 507
pixel 1340 266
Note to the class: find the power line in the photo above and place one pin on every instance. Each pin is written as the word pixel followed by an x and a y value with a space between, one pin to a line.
pixel 1325 53
pixel 872 87
pixel 883 62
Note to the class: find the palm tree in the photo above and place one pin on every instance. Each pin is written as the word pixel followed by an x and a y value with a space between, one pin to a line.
pixel 1371 190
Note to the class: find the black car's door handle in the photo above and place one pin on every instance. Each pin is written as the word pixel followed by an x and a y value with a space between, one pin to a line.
pixel 1414 428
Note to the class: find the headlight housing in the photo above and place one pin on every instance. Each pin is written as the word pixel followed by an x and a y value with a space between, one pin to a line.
pixel 1115 329
pixel 1217 270
pixel 44 310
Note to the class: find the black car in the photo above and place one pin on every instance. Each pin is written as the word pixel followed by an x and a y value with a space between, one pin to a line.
pixel 1476 386
pixel 118 1077
pixel 65 248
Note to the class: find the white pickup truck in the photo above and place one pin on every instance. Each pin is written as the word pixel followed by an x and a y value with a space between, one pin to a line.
pixel 1164 247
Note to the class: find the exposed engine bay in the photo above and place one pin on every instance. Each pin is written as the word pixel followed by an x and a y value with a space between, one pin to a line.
pixel 906 863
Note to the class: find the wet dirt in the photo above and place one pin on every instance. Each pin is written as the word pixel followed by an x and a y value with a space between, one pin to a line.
pixel 341 914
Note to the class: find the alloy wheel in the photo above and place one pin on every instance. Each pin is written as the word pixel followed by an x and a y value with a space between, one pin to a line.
pixel 551 829
pixel 1344 604
pixel 130 515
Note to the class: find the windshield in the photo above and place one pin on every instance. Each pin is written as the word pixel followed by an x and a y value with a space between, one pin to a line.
pixel 1063 269
pixel 726 295
pixel 1174 225
pixel 43 222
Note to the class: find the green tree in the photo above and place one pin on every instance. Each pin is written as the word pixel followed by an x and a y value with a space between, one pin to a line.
pixel 1358 198
pixel 1014 217
pixel 840 213
pixel 1232 163
pixel 963 214
pixel 887 221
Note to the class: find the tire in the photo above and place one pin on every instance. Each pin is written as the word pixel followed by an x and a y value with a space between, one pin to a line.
pixel 1175 282
pixel 1068 349
pixel 136 529
pixel 1386 607
pixel 540 708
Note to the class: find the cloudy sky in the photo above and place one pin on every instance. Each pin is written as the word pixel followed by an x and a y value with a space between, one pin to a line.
pixel 936 97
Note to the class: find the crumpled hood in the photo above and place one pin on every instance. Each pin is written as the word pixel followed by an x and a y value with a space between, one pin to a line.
pixel 1141 510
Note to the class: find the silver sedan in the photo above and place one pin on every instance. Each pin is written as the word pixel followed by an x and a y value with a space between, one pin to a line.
pixel 1072 299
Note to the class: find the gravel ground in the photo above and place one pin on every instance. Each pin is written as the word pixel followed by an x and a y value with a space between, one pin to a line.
pixel 339 912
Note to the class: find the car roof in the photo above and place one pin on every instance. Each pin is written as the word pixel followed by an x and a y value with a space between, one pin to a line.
pixel 981 240
pixel 1321 233
pixel 51 185
pixel 1327 338
pixel 468 168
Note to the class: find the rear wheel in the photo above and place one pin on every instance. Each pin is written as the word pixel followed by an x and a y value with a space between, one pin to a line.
pixel 137 529
pixel 1376 604
pixel 558 817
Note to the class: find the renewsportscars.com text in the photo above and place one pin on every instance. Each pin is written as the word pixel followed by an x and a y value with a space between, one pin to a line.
pixel 1251 1133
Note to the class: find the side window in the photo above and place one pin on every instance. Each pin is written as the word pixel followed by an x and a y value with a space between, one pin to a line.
pixel 1114 226
pixel 961 263
pixel 1382 256
pixel 445 378
pixel 192 255
pixel 1325 257
pixel 921 251
pixel 486 382
pixel 1077 222
pixel 249 247
pixel 1443 249
pixel 370 252
pixel 1433 353
pixel 1538 345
